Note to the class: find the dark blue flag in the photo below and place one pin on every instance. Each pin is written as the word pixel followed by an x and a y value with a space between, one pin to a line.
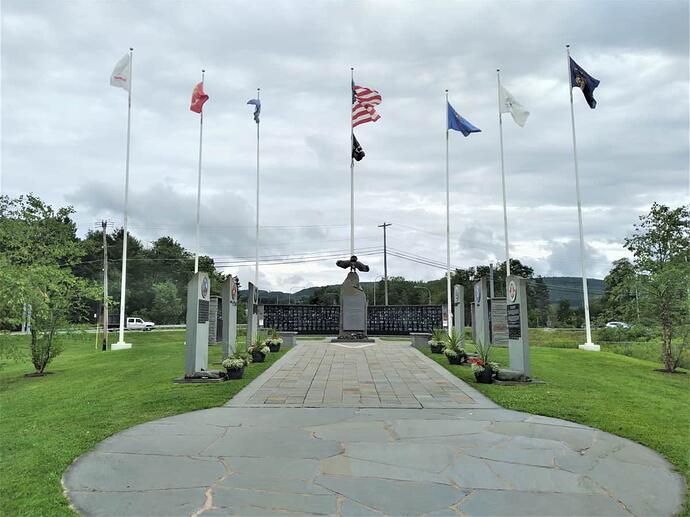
pixel 585 82
pixel 459 123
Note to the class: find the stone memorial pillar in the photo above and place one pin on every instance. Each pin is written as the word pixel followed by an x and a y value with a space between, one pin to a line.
pixel 228 295
pixel 252 314
pixel 518 330
pixel 481 312
pixel 353 310
pixel 196 346
pixel 459 305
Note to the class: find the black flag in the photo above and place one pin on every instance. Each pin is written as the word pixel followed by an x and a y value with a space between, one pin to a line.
pixel 357 152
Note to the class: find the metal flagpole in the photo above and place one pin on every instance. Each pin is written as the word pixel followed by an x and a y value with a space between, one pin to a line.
pixel 256 260
pixel 503 173
pixel 352 170
pixel 450 308
pixel 121 345
pixel 198 182
pixel 588 345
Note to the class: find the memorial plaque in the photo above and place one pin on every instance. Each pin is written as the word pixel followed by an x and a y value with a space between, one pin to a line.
pixel 481 313
pixel 196 342
pixel 459 306
pixel 228 294
pixel 499 323
pixel 354 312
pixel 518 331
pixel 514 331
pixel 204 309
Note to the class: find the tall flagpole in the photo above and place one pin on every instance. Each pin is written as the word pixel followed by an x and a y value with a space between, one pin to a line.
pixel 588 345
pixel 352 170
pixel 256 260
pixel 450 308
pixel 198 183
pixel 121 345
pixel 503 173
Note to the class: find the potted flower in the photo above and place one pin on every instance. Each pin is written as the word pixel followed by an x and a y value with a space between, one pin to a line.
pixel 259 350
pixel 234 366
pixel 274 341
pixel 482 366
pixel 437 341
pixel 454 351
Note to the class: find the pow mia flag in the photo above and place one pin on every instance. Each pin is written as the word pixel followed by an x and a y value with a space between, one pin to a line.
pixel 357 151
pixel 585 82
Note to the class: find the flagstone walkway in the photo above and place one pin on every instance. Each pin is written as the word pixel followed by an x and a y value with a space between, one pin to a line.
pixel 268 453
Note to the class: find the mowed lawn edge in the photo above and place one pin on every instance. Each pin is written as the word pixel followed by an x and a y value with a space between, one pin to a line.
pixel 46 423
pixel 617 394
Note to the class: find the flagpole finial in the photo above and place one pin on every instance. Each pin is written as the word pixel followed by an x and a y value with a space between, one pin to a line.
pixel 498 69
pixel 567 45
pixel 131 49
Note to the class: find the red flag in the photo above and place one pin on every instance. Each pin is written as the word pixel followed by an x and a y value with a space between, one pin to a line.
pixel 198 98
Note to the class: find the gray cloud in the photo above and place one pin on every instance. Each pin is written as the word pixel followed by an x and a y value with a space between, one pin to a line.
pixel 63 126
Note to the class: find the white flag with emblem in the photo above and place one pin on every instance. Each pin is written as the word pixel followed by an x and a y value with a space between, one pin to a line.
pixel 510 105
pixel 121 74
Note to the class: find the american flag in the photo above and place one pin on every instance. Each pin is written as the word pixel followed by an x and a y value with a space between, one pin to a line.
pixel 364 101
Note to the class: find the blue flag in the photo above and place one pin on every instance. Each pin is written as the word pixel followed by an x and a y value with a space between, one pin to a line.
pixel 585 82
pixel 257 108
pixel 459 123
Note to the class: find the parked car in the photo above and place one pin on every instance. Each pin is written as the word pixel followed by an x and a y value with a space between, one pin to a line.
pixel 131 323
pixel 617 325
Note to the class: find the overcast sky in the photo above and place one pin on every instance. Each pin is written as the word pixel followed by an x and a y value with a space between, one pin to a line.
pixel 63 126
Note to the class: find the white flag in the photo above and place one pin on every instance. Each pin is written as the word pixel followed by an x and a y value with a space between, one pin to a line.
pixel 121 74
pixel 510 105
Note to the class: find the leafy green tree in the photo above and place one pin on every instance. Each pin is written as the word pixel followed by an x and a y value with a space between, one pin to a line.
pixel 564 314
pixel 167 304
pixel 619 301
pixel 38 251
pixel 660 245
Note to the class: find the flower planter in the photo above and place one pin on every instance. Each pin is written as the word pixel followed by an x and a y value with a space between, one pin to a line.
pixel 234 373
pixel 436 348
pixel 258 357
pixel 274 347
pixel 454 359
pixel 485 376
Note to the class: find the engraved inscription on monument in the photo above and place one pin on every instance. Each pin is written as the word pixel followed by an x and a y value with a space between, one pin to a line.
pixel 204 306
pixel 514 321
pixel 354 311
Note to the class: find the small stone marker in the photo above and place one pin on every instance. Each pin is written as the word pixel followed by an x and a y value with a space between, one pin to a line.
pixel 228 293
pixel 481 312
pixel 518 330
pixel 196 347
pixel 459 306
pixel 252 314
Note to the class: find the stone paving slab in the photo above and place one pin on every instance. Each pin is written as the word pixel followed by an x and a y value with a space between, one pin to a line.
pixel 478 459
pixel 384 375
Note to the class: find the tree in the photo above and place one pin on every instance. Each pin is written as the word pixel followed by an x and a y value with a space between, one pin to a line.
pixel 564 313
pixel 660 245
pixel 619 302
pixel 38 251
pixel 167 304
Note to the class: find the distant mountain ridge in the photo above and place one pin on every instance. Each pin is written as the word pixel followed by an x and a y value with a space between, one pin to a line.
pixel 560 288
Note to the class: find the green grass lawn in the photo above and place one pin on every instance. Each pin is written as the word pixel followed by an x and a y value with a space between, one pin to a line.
pixel 618 394
pixel 47 422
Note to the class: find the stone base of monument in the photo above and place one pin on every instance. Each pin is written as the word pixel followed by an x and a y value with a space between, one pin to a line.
pixel 353 337
pixel 511 377
pixel 203 377
pixel 590 347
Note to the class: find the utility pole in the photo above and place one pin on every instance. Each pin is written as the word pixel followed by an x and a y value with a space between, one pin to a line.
pixel 104 224
pixel 385 264
pixel 491 280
